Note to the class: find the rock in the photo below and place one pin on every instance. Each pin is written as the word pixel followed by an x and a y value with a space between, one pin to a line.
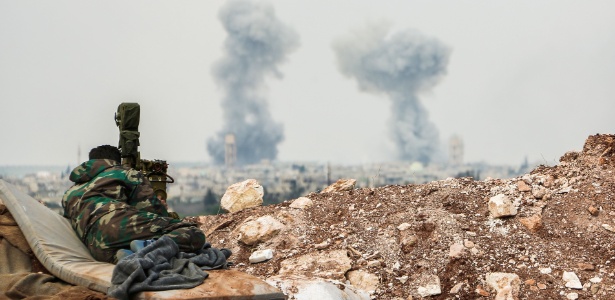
pixel 532 223
pixel 242 195
pixel 322 245
pixel 456 288
pixel 363 280
pixel 403 226
pixel 545 270
pixel 326 264
pixel 259 230
pixel 456 250
pixel 586 266
pixel 301 203
pixel 341 186
pixel 501 206
pixel 530 282
pixel 541 286
pixel 523 187
pixel 572 280
pixel 373 264
pixel 506 285
pixel 539 192
pixel 430 286
pixel 479 290
pixel 307 288
pixel 261 255
pixel 608 227
pixel 534 288
pixel 407 242
pixel 572 296
pixel 593 210
pixel 595 280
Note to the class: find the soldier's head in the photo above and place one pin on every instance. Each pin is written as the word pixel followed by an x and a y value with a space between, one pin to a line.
pixel 106 152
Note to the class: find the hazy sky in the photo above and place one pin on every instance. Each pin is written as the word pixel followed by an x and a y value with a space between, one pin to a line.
pixel 524 78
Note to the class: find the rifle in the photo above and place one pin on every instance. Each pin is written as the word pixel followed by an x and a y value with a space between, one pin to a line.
pixel 127 120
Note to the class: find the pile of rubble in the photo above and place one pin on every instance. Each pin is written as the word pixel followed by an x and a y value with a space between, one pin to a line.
pixel 545 235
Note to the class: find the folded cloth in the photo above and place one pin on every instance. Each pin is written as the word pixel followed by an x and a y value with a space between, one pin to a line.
pixel 208 258
pixel 161 266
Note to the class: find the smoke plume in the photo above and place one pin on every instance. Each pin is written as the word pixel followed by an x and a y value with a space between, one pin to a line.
pixel 401 66
pixel 257 43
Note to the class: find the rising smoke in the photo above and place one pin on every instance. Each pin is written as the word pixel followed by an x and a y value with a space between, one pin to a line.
pixel 401 66
pixel 257 43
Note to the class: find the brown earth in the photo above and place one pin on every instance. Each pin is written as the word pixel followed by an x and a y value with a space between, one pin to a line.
pixel 565 222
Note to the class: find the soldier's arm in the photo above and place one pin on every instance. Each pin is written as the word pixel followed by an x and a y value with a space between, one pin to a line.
pixel 142 194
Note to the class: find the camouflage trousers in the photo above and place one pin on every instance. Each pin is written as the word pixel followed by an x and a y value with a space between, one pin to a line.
pixel 115 230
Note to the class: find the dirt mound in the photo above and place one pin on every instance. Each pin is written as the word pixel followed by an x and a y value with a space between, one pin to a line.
pixel 403 236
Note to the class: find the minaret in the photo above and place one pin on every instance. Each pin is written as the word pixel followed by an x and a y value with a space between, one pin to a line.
pixel 230 150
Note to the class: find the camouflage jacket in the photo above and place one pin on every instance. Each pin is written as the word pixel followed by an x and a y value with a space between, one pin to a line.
pixel 99 185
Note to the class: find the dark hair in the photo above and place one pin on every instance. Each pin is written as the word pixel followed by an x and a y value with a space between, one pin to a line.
pixel 106 152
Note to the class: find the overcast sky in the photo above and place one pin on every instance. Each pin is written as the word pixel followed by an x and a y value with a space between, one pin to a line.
pixel 523 78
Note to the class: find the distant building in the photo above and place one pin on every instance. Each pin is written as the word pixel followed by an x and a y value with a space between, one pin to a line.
pixel 455 151
pixel 230 150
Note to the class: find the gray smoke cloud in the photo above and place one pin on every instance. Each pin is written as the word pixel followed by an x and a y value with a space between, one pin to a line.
pixel 400 65
pixel 257 43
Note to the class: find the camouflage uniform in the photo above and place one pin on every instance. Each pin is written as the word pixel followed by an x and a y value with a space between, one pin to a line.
pixel 110 205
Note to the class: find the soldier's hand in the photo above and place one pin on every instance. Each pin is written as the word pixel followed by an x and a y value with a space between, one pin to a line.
pixel 163 201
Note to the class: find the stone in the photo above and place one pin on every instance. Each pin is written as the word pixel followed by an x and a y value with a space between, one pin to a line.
pixel 532 223
pixel 307 288
pixel 373 264
pixel 324 264
pixel 301 203
pixel 608 227
pixel 363 280
pixel 539 192
pixel 468 244
pixel 541 286
pixel 242 195
pixel 534 288
pixel 322 245
pixel 595 288
pixel 545 270
pixel 479 290
pixel 592 210
pixel 506 285
pixel 501 206
pixel 259 230
pixel 456 288
pixel 430 286
pixel 523 187
pixel 456 250
pixel 403 226
pixel 572 296
pixel 595 280
pixel 530 282
pixel 586 266
pixel 572 280
pixel 260 256
pixel 341 185
pixel 407 242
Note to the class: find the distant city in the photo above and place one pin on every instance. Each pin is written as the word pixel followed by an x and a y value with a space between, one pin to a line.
pixel 198 187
